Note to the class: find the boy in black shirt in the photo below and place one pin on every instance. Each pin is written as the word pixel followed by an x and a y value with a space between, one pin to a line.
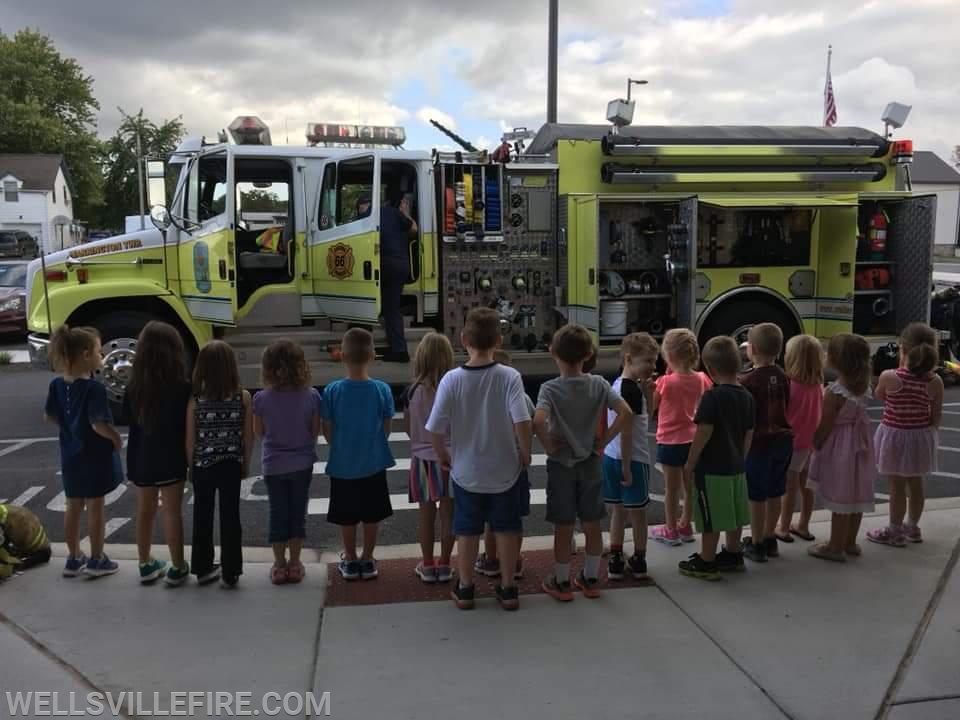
pixel 724 421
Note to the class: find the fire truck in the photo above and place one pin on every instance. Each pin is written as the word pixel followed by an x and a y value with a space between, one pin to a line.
pixel 620 229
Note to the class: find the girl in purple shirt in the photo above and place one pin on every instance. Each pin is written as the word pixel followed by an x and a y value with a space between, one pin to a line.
pixel 286 416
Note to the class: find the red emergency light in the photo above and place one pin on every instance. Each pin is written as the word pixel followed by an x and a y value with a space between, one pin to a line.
pixel 902 152
pixel 330 133
pixel 249 130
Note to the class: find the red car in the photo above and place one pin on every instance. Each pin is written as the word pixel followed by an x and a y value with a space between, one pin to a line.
pixel 13 297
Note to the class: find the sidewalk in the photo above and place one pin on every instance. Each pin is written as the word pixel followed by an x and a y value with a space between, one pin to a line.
pixel 795 638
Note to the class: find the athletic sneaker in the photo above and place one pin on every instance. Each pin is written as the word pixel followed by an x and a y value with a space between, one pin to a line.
pixel 696 566
pixel 561 591
pixel 74 566
pixel 590 587
pixel 686 533
pixel 368 569
pixel 444 573
pixel 771 546
pixel 756 553
pixel 463 596
pixel 98 567
pixel 151 571
pixel 177 576
pixel 663 534
pixel 509 598
pixel 730 561
pixel 229 582
pixel 889 535
pixel 487 567
pixel 212 575
pixel 616 566
pixel 912 533
pixel 427 573
pixel 638 566
pixel 349 569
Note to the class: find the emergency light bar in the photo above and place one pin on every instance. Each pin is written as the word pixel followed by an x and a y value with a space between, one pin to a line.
pixel 614 173
pixel 249 130
pixel 356 134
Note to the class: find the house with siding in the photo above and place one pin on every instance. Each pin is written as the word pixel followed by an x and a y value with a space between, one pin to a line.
pixel 932 175
pixel 36 196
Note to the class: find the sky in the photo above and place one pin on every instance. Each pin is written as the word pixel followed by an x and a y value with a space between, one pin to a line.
pixel 480 68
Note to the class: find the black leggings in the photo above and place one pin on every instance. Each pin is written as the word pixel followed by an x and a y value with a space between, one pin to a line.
pixel 223 478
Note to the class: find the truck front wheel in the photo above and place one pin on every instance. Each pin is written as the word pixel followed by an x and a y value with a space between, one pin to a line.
pixel 736 318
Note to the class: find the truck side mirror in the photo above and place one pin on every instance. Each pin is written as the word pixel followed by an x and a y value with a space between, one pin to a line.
pixel 156 183
pixel 160 217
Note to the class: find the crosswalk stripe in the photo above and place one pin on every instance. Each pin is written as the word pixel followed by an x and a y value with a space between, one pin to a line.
pixel 27 495
pixel 16 446
pixel 109 528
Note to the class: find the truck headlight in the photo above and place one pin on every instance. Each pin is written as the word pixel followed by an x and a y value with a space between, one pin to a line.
pixel 11 304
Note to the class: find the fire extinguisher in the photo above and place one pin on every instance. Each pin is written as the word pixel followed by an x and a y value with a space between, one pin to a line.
pixel 877 235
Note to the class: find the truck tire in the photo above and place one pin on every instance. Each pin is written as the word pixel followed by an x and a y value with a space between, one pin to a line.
pixel 735 318
pixel 118 334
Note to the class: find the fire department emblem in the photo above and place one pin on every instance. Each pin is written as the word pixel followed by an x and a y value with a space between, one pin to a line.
pixel 340 261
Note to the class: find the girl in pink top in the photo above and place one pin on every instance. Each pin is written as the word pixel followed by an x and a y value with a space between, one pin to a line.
pixel 803 363
pixel 675 399
pixel 907 437
pixel 843 468
pixel 429 484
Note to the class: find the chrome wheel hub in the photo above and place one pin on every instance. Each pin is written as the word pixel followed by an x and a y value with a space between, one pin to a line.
pixel 118 355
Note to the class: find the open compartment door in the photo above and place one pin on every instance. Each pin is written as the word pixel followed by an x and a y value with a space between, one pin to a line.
pixel 581 242
pixel 682 262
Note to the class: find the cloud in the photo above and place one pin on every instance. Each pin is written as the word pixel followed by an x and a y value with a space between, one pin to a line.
pixel 708 61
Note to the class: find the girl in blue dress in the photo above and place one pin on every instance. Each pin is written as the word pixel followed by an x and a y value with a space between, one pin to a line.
pixel 89 444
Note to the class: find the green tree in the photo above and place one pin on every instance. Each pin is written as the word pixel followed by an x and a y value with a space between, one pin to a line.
pixel 47 106
pixel 258 200
pixel 119 161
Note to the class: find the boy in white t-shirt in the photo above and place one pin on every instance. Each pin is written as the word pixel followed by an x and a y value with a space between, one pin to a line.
pixel 490 434
pixel 628 493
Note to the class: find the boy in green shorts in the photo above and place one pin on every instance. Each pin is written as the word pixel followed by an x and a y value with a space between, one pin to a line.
pixel 725 420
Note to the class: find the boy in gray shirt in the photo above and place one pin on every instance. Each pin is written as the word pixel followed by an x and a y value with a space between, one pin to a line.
pixel 567 416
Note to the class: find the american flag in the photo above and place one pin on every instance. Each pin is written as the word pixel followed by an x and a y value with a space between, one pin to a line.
pixel 829 101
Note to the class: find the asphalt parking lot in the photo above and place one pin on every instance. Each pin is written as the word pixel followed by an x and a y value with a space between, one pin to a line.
pixel 29 467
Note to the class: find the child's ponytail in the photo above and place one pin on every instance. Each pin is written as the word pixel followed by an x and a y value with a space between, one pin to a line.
pixel 919 346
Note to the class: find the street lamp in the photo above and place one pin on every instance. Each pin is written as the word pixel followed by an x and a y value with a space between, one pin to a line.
pixel 620 111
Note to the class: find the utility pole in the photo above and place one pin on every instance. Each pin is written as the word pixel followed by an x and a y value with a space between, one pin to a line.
pixel 552 63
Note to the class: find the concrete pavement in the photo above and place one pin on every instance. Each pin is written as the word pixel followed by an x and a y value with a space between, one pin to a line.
pixel 877 637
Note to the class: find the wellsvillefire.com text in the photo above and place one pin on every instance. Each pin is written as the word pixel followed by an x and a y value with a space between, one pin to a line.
pixel 175 704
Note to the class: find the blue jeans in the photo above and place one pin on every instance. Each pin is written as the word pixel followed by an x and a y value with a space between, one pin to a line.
pixel 288 493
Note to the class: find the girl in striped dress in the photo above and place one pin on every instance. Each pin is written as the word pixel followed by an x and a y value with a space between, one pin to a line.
pixel 906 440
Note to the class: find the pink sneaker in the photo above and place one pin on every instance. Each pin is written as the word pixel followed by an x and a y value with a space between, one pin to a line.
pixel 912 533
pixel 686 533
pixel 889 535
pixel 663 534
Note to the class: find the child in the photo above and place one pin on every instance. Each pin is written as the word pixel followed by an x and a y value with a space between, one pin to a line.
pixel 286 416
pixel 804 367
pixel 906 439
pixel 772 446
pixel 429 484
pixel 156 404
pixel 626 492
pixel 843 467
pixel 675 401
pixel 219 442
pixel 483 407
pixel 357 419
pixel 487 562
pixel 725 421
pixel 568 412
pixel 89 444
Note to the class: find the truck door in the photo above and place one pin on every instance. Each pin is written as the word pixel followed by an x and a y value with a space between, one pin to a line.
pixel 206 249
pixel 345 244
pixel 579 234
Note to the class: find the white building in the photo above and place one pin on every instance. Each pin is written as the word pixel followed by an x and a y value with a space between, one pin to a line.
pixel 930 174
pixel 35 196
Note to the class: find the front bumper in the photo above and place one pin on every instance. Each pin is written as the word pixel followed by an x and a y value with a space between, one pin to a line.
pixel 38 346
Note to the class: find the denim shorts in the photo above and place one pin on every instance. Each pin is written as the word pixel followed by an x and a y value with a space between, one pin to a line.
pixel 288 494
pixel 673 455
pixel 502 511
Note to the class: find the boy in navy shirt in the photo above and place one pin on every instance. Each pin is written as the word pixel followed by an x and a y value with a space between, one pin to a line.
pixel 357 416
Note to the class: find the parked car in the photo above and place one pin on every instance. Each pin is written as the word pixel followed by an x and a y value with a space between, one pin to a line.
pixel 99 235
pixel 13 297
pixel 17 243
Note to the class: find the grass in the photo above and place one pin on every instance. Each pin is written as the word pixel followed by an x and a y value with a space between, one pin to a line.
pixel 6 358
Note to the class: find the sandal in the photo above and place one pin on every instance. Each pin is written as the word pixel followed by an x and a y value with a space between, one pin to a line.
pixel 278 575
pixel 788 538
pixel 823 552
pixel 295 573
pixel 809 537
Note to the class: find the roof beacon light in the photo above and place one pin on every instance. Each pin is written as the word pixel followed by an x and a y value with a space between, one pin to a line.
pixel 329 133
pixel 249 130
pixel 902 152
